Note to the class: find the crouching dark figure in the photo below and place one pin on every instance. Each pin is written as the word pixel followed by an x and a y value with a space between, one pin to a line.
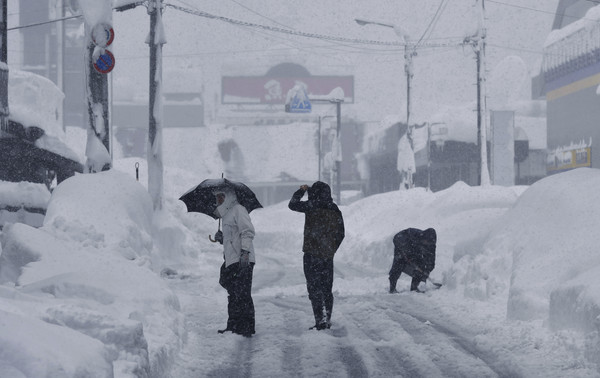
pixel 414 254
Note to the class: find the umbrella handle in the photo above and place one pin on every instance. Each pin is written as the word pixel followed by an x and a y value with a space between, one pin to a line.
pixel 219 229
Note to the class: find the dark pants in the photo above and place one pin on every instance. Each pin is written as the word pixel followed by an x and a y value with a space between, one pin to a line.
pixel 240 307
pixel 319 282
pixel 400 265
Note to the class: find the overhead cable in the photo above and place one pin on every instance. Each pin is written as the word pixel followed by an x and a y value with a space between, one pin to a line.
pixel 299 33
pixel 42 23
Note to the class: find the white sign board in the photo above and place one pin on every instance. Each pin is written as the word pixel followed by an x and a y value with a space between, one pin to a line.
pixel 502 149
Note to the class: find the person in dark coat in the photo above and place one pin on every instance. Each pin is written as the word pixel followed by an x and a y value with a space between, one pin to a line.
pixel 323 234
pixel 414 254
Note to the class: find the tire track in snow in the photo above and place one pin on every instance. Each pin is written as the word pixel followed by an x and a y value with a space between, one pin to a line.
pixel 389 357
pixel 270 272
pixel 343 351
pixel 426 329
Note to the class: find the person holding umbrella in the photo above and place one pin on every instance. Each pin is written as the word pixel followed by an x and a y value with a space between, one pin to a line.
pixel 323 234
pixel 237 269
pixel 231 202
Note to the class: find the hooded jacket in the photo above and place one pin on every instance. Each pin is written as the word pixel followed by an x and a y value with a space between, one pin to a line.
pixel 323 220
pixel 416 246
pixel 238 231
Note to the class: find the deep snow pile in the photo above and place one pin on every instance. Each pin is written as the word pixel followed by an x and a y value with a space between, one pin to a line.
pixel 79 297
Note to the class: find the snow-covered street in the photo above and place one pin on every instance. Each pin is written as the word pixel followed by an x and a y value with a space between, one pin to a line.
pixel 373 335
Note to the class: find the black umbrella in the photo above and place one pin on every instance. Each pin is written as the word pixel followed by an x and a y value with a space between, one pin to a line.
pixel 201 199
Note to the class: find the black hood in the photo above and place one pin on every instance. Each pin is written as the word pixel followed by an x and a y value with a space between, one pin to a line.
pixel 430 235
pixel 320 192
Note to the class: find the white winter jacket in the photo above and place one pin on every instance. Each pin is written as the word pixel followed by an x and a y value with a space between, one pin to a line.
pixel 238 231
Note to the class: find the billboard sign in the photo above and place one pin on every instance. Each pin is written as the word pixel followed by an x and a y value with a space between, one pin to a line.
pixel 261 90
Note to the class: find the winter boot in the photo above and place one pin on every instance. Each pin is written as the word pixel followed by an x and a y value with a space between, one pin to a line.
pixel 318 313
pixel 328 319
pixel 393 286
pixel 414 285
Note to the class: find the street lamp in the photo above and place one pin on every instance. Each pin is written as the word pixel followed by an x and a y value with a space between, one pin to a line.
pixel 409 52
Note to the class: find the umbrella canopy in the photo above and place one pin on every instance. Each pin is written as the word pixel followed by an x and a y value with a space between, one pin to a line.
pixel 201 198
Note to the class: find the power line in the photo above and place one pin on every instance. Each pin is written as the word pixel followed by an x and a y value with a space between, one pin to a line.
pixel 293 32
pixel 362 50
pixel 43 23
pixel 67 17
pixel 31 11
pixel 434 20
pixel 263 27
pixel 547 12
pixel 289 42
pixel 522 7
pixel 260 14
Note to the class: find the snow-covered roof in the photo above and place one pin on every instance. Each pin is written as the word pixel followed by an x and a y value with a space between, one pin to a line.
pixel 591 18
pixel 34 100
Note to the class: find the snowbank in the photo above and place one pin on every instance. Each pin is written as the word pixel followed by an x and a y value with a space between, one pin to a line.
pixel 554 249
pixel 84 281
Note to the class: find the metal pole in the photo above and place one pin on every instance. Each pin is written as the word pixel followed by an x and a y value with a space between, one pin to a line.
pixel 478 58
pixel 98 95
pixel 428 157
pixel 3 69
pixel 408 69
pixel 154 153
pixel 60 39
pixel 3 51
pixel 154 56
pixel 338 163
pixel 319 175
pixel 484 171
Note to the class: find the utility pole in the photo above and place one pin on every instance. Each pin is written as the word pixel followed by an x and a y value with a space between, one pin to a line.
pixel 409 53
pixel 479 161
pixel 97 95
pixel 478 43
pixel 99 61
pixel 154 154
pixel 484 175
pixel 338 160
pixel 319 163
pixel 3 69
pixel 155 40
pixel 410 50
pixel 60 41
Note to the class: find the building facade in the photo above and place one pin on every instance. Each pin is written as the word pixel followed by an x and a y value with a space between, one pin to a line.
pixel 569 82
